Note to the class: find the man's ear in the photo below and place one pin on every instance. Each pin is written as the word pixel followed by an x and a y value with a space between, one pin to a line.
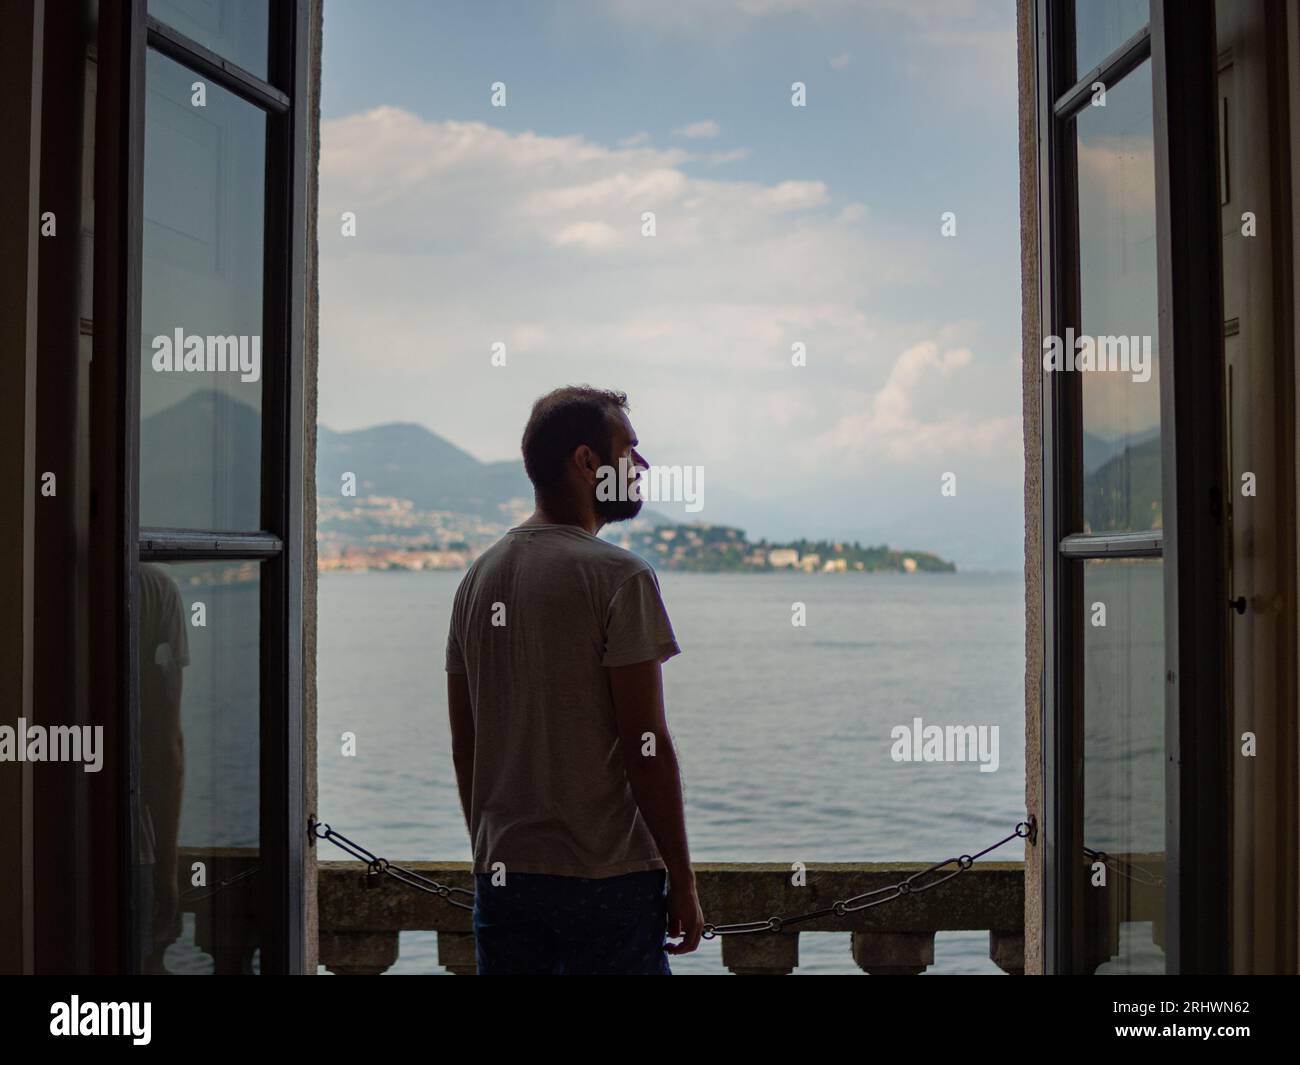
pixel 588 463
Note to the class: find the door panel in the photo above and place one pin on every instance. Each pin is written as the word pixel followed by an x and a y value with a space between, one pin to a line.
pixel 1261 495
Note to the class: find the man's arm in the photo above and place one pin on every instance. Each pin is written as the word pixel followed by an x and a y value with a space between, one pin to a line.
pixel 461 714
pixel 656 785
pixel 162 781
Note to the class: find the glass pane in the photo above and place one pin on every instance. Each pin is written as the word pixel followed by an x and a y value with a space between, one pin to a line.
pixel 1101 26
pixel 197 810
pixel 1123 765
pixel 235 29
pixel 1117 292
pixel 201 307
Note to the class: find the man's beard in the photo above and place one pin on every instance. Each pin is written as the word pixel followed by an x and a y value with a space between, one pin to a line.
pixel 612 510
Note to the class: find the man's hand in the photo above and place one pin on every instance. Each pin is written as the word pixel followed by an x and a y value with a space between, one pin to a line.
pixel 685 919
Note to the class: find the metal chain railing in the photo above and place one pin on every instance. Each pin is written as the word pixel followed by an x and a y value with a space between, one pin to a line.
pixel 867 899
pixel 377 867
pixel 1143 876
pixel 191 896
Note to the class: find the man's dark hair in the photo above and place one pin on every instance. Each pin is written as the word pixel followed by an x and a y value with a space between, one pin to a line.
pixel 563 421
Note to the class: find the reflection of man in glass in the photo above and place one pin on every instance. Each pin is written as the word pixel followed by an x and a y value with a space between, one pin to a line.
pixel 164 652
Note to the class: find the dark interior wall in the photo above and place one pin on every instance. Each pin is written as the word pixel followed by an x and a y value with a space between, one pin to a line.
pixel 20 119
pixel 58 684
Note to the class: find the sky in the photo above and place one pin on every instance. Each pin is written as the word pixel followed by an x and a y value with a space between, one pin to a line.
pixel 774 225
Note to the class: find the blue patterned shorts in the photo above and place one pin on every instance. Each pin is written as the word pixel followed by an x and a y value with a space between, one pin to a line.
pixel 539 924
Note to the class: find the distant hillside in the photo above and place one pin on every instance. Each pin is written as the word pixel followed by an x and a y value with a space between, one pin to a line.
pixel 407 461
pixel 704 548
pixel 1125 491
pixel 1097 451
pixel 200 464
pixel 200 461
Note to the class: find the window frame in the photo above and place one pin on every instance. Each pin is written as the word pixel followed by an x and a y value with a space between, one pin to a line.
pixel 127 31
pixel 1179 41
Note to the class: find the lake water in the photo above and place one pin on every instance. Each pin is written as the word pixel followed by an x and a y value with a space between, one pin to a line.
pixel 783 732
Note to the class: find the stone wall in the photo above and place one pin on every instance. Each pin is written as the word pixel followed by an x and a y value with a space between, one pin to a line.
pixel 1031 404
pixel 309 360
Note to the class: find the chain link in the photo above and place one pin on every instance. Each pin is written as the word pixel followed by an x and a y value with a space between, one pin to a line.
pixel 378 867
pixel 191 897
pixel 865 901
pixel 1111 862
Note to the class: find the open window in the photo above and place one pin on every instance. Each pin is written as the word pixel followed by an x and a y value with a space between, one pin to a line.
pixel 1139 736
pixel 200 281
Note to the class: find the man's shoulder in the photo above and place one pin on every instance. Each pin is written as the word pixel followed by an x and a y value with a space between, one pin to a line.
pixel 573 549
pixel 481 562
pixel 155 581
pixel 619 555
pixel 487 556
pixel 615 563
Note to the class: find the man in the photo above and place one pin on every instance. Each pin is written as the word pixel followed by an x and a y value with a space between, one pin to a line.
pixel 568 778
pixel 164 653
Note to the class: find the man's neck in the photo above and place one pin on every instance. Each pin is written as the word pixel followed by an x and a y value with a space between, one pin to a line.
pixel 553 513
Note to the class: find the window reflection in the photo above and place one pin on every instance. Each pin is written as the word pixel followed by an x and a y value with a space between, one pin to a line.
pixel 1123 765
pixel 235 29
pixel 201 306
pixel 197 807
pixel 1101 26
pixel 1118 308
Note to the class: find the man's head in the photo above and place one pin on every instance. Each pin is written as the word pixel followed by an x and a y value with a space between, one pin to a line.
pixel 572 433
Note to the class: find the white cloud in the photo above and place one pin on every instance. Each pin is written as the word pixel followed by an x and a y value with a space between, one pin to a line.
pixel 735 155
pixel 704 130
pixel 594 235
pixel 791 196
pixel 471 235
pixel 889 423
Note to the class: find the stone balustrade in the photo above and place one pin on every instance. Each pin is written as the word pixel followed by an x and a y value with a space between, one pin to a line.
pixel 360 925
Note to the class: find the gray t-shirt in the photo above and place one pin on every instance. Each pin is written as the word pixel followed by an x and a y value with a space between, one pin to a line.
pixel 536 620
pixel 163 644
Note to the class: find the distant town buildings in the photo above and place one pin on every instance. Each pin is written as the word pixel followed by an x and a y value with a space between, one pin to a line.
pixel 382 533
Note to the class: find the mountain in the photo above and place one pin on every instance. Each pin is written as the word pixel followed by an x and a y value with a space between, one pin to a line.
pixel 1097 451
pixel 200 464
pixel 402 460
pixel 407 461
pixel 1125 492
